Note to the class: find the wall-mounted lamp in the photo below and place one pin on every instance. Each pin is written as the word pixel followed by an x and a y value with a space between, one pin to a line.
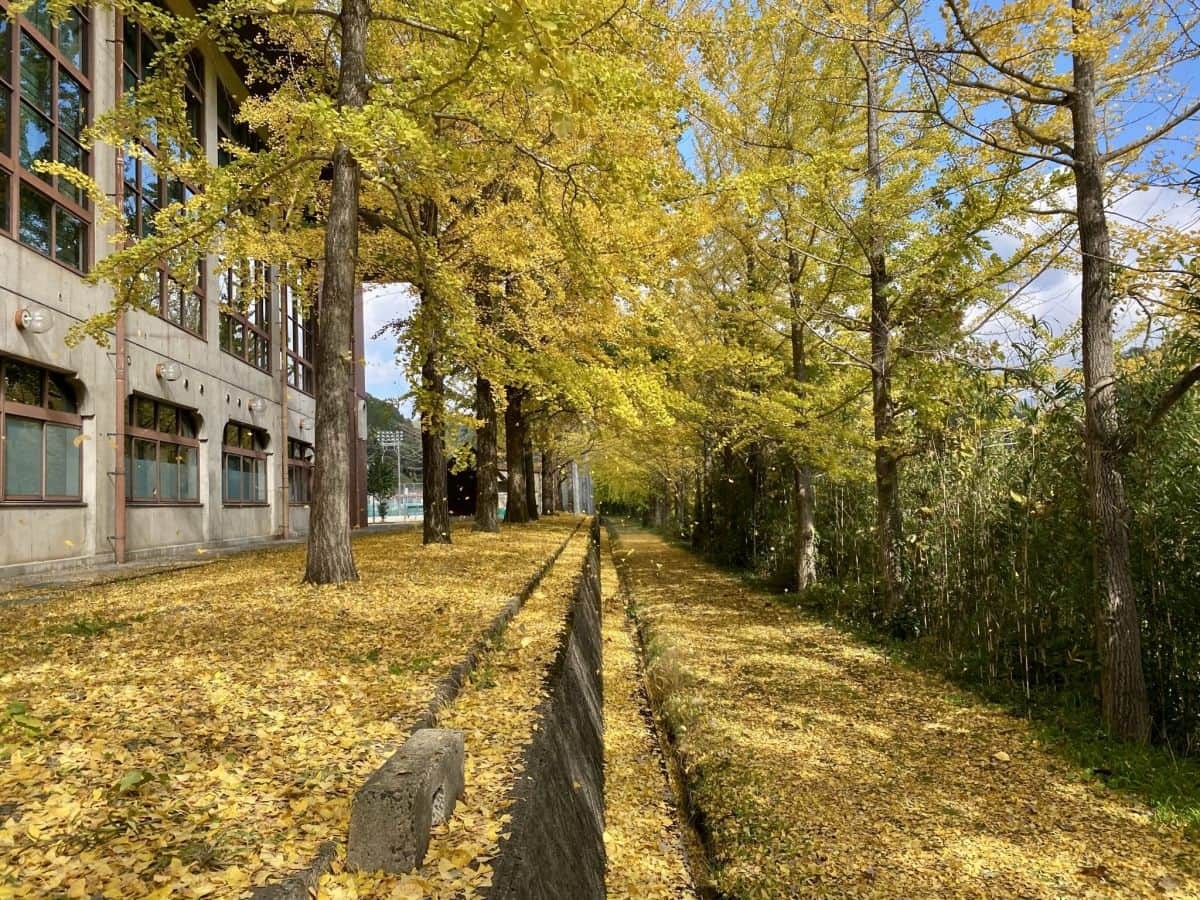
pixel 306 424
pixel 168 371
pixel 35 321
pixel 257 405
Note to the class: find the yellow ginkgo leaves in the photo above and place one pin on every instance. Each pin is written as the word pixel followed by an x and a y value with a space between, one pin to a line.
pixel 203 731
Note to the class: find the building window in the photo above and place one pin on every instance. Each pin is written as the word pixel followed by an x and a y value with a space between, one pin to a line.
pixel 300 469
pixel 246 313
pixel 230 132
pixel 44 93
pixel 179 300
pixel 244 465
pixel 162 453
pixel 41 454
pixel 300 328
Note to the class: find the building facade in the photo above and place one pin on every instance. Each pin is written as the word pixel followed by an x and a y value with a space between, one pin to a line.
pixel 194 426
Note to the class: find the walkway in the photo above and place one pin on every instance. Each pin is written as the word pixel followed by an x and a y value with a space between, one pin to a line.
pixel 822 768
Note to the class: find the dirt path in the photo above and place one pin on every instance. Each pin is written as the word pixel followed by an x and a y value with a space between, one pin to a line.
pixel 825 769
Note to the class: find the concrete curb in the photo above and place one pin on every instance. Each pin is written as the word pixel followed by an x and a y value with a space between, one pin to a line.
pixel 302 884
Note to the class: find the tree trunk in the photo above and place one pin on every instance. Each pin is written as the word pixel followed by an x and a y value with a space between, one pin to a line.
pixel 436 520
pixel 805 543
pixel 548 483
pixel 330 558
pixel 487 495
pixel 531 498
pixel 888 519
pixel 1123 697
pixel 517 508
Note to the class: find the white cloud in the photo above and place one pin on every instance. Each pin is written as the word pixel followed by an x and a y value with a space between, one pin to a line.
pixel 382 305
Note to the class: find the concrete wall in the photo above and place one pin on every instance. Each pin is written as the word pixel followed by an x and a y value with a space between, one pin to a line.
pixel 555 847
pixel 218 386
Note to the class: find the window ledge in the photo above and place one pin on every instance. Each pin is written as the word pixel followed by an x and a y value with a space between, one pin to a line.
pixel 156 504
pixel 234 505
pixel 42 504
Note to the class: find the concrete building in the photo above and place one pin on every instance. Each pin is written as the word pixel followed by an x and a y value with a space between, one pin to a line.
pixel 194 427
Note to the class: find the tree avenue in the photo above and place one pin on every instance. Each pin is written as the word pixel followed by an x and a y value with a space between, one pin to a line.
pixel 789 277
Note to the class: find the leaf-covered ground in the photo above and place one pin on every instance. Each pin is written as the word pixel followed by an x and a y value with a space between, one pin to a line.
pixel 200 732
pixel 644 846
pixel 824 768
pixel 497 712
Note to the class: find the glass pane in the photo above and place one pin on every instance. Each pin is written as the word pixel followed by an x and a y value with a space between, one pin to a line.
pixel 187 461
pixel 237 338
pixel 72 104
pixel 145 414
pixel 233 478
pixel 22 457
pixel 74 156
pixel 70 239
pixel 192 305
pixel 35 139
pixel 5 49
pixel 22 383
pixel 149 182
pixel 195 117
pixel 231 435
pixel 131 46
pixel 247 439
pixel 36 84
pixel 39 14
pixel 148 53
pixel 258 468
pixel 5 203
pixel 130 203
pixel 61 394
pixel 72 34
pixel 168 477
pixel 187 424
pixel 34 219
pixel 145 469
pixel 5 110
pixel 174 311
pixel 167 419
pixel 62 461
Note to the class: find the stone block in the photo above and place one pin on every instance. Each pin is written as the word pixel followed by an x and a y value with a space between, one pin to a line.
pixel 393 812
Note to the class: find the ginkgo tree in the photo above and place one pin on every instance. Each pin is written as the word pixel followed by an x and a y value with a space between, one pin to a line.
pixel 352 108
pixel 1091 89
pixel 859 233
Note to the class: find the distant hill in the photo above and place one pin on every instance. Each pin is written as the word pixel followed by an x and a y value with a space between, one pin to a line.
pixel 382 416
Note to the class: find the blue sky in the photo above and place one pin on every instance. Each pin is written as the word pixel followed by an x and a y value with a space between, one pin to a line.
pixel 383 303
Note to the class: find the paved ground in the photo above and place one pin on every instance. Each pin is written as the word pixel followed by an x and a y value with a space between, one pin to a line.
pixel 822 768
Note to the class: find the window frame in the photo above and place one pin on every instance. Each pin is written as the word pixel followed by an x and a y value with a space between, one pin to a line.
pixel 164 188
pixel 300 335
pixel 21 180
pixel 254 453
pixel 300 460
pixel 174 438
pixel 45 416
pixel 232 315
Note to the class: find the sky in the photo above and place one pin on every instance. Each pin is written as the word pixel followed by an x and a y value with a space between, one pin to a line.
pixel 384 303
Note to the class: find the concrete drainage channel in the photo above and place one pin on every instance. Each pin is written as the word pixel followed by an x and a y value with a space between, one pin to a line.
pixel 555 845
